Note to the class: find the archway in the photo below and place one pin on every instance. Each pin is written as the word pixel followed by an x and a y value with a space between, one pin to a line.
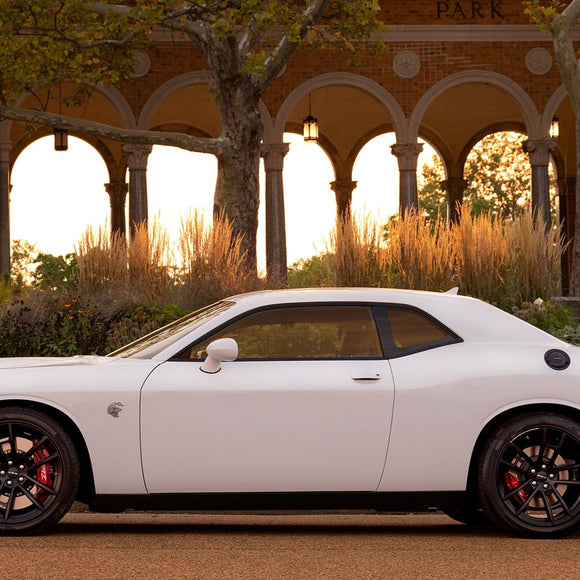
pixel 376 172
pixel 309 203
pixel 179 181
pixel 57 195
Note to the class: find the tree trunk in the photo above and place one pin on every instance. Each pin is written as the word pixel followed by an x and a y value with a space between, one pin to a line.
pixel 575 274
pixel 565 53
pixel 237 192
pixel 237 97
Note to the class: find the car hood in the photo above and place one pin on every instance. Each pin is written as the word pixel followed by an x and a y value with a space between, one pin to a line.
pixel 28 362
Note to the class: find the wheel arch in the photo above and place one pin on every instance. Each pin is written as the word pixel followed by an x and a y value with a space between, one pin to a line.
pixel 86 487
pixel 495 422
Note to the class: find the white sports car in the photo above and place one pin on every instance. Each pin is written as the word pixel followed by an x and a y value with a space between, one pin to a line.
pixel 366 399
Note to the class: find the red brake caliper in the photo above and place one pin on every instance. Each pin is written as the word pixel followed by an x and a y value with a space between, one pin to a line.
pixel 43 473
pixel 512 482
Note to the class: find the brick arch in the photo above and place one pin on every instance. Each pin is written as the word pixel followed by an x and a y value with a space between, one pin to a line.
pixel 489 130
pixel 362 83
pixel 185 80
pixel 116 99
pixel 504 84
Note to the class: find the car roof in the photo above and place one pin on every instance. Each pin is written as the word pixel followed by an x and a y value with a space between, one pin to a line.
pixel 469 317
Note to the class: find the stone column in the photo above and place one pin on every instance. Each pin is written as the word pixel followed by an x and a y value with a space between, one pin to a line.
pixel 137 157
pixel 5 188
pixel 539 153
pixel 343 189
pixel 276 260
pixel 454 187
pixel 118 195
pixel 407 155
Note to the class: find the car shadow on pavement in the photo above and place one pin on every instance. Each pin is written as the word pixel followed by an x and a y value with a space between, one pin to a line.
pixel 282 525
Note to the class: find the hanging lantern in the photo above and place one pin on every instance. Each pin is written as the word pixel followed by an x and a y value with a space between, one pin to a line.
pixel 555 128
pixel 310 124
pixel 60 139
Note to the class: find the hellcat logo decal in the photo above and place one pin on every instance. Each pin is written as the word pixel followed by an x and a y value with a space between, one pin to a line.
pixel 114 409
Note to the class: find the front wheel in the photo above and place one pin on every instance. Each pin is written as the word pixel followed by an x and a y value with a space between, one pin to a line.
pixel 529 476
pixel 39 471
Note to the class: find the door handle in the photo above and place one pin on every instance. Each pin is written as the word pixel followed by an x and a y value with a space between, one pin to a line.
pixel 366 376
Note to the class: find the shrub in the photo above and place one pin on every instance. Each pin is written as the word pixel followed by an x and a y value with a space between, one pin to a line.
pixel 137 321
pixel 55 272
pixel 42 324
pixel 316 271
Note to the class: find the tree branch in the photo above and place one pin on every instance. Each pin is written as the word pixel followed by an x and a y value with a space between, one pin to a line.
pixel 564 50
pixel 215 146
pixel 275 63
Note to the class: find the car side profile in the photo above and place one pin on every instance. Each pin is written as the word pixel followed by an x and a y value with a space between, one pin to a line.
pixel 316 399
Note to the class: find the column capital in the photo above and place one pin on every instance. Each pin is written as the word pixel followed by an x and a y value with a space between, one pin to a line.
pixel 273 154
pixel 117 192
pixel 407 154
pixel 539 150
pixel 136 155
pixel 343 186
pixel 343 189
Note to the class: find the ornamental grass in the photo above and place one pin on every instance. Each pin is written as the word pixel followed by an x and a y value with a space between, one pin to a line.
pixel 505 263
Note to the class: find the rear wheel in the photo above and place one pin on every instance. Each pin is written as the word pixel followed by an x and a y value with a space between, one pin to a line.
pixel 529 476
pixel 39 471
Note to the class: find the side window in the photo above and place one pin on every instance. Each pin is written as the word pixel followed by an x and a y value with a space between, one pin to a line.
pixel 300 332
pixel 412 331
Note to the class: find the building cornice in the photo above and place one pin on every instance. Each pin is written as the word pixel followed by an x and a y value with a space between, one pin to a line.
pixel 467 33
pixel 421 33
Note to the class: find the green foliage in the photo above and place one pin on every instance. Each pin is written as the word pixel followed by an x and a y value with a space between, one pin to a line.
pixel 432 198
pixel 46 43
pixel 20 331
pixel 5 290
pixel 55 272
pixel 569 333
pixel 544 314
pixel 543 12
pixel 46 326
pixel 21 260
pixel 72 329
pixel 497 177
pixel 137 321
pixel 315 271
pixel 550 317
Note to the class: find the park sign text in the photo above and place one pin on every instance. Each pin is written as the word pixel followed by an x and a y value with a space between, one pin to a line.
pixel 470 10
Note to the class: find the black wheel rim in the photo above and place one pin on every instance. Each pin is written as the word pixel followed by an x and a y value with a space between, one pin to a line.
pixel 539 477
pixel 30 472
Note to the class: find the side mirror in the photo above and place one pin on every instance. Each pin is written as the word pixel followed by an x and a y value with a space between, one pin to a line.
pixel 222 349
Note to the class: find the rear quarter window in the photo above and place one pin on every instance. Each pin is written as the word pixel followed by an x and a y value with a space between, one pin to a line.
pixel 413 331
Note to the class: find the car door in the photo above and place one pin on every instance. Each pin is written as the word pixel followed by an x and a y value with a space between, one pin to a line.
pixel 306 407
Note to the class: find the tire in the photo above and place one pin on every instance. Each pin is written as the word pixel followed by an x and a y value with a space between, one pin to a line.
pixel 529 476
pixel 39 471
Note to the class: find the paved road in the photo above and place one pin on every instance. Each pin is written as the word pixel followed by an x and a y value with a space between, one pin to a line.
pixel 284 547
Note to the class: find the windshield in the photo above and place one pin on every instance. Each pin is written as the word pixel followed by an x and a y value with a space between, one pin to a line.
pixel 155 342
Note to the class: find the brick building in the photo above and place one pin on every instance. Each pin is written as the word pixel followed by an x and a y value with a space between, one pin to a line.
pixel 454 72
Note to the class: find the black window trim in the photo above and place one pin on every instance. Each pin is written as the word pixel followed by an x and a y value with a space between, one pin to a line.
pixel 379 313
pixel 386 334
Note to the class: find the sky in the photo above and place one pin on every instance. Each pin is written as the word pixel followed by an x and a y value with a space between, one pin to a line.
pixel 57 195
